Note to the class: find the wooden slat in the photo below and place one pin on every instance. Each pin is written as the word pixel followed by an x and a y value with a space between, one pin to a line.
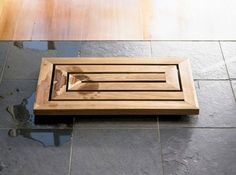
pixel 144 96
pixel 116 108
pixel 81 77
pixel 172 77
pixel 115 68
pixel 115 60
pixel 118 86
pixel 44 84
pixel 190 95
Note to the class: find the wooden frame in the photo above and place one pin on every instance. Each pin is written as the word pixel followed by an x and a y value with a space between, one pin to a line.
pixel 115 86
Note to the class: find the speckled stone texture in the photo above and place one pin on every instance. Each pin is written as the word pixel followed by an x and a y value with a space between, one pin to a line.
pixel 3 54
pixel 187 151
pixel 116 151
pixel 206 57
pixel 229 50
pixel 234 86
pixel 217 107
pixel 24 63
pixel 12 93
pixel 23 156
pixel 115 49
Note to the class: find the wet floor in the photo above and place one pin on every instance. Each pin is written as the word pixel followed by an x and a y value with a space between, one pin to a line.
pixel 23 113
pixel 24 117
pixel 163 145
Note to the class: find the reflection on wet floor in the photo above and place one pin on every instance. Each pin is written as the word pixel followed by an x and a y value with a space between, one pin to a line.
pixel 24 118
pixel 63 49
pixel 47 137
pixel 23 113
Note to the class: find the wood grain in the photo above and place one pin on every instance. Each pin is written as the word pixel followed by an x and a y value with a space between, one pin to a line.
pixel 106 77
pixel 117 20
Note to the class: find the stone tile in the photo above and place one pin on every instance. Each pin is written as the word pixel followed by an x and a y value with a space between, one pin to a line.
pixel 234 86
pixel 206 57
pixel 20 93
pixel 12 93
pixel 217 107
pixel 21 155
pixel 24 63
pixel 229 51
pixel 118 122
pixel 198 151
pixel 3 51
pixel 67 48
pixel 116 151
pixel 115 48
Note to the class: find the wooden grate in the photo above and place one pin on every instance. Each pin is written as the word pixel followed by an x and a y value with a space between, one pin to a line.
pixel 115 86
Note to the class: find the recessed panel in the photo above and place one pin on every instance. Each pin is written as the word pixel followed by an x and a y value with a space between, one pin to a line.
pixel 115 86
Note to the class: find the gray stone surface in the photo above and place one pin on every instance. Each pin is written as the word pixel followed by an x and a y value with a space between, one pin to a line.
pixel 3 55
pixel 206 57
pixel 116 152
pixel 234 86
pixel 229 51
pixel 115 48
pixel 12 93
pixel 67 48
pixel 3 49
pixel 24 63
pixel 129 144
pixel 198 151
pixel 118 122
pixel 22 156
pixel 217 107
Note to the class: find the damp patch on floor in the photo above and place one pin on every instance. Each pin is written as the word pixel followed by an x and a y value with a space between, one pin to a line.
pixel 47 137
pixel 24 118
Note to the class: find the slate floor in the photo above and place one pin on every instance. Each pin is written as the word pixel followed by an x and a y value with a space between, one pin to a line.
pixel 157 145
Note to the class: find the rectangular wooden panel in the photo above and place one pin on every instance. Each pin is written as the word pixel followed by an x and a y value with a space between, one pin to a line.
pixel 114 86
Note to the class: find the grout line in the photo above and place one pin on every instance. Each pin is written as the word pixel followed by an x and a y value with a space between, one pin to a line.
pixel 71 148
pixel 227 70
pixel 159 140
pixel 5 62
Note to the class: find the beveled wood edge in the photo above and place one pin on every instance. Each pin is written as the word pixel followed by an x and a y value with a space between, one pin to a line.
pixel 187 82
pixel 173 81
pixel 62 89
pixel 124 107
pixel 121 96
pixel 115 60
pixel 45 76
